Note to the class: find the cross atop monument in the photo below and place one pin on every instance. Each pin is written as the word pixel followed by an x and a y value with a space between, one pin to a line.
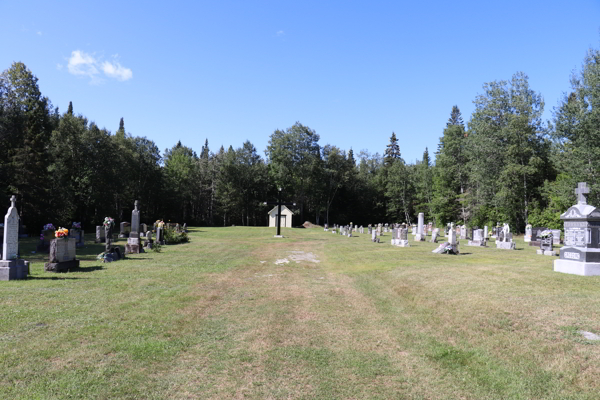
pixel 13 201
pixel 136 205
pixel 581 191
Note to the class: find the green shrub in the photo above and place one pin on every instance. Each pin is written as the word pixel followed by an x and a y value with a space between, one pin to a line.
pixel 174 237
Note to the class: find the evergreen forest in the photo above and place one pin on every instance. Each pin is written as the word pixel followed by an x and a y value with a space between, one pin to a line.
pixel 503 165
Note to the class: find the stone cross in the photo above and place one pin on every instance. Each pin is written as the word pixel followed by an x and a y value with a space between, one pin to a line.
pixel 13 201
pixel 581 191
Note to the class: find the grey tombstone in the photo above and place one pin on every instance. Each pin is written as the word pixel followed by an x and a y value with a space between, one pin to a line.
pixel 403 238
pixel 148 243
pixel 62 255
pixel 478 238
pixel 556 235
pixel 160 236
pixel 546 242
pixel 11 266
pixel 434 235
pixel 536 235
pixel 133 241
pixel 100 234
pixel 451 244
pixel 485 232
pixel 463 232
pixel 125 229
pixel 580 254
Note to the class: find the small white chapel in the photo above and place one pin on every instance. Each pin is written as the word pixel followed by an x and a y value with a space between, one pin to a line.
pixel 286 217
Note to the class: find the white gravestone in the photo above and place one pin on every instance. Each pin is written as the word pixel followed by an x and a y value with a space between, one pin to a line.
pixel 10 244
pixel 420 236
pixel 11 267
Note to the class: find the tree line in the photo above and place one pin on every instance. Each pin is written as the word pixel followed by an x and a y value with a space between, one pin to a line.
pixel 504 165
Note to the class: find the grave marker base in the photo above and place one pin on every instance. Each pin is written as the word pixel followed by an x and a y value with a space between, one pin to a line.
pixel 13 269
pixel 546 252
pixel 506 245
pixel 577 267
pixel 63 266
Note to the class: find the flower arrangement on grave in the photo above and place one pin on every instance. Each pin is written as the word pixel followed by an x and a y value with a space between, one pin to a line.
pixel 76 225
pixel 159 223
pixel 62 233
pixel 546 234
pixel 49 227
pixel 448 250
pixel 108 222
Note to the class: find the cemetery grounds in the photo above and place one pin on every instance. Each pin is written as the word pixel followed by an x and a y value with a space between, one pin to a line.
pixel 238 314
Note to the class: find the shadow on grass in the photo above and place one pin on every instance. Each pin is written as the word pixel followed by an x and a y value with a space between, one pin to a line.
pixel 87 269
pixel 57 277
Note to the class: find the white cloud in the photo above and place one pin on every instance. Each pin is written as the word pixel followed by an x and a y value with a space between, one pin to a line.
pixel 39 33
pixel 59 66
pixel 280 33
pixel 116 70
pixel 83 64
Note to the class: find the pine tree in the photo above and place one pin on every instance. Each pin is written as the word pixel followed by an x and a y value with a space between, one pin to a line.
pixel 121 131
pixel 455 117
pixel 70 109
pixel 392 151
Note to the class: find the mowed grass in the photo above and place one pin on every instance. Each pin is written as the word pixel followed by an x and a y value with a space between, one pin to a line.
pixel 217 318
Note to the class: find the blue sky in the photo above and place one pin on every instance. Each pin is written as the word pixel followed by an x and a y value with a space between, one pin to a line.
pixel 230 71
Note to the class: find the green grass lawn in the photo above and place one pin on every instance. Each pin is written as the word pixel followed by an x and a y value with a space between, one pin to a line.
pixel 218 318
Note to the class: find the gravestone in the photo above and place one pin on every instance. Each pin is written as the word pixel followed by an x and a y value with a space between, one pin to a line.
pixel 100 234
pixel 361 230
pixel 580 254
pixel 420 236
pixel 463 232
pixel 11 266
pixel 449 247
pixel 505 241
pixel 536 234
pixel 485 232
pixel 546 242
pixel 528 232
pixel 434 235
pixel 185 227
pixel 160 239
pixel 111 253
pixel 62 255
pixel 133 241
pixel 148 242
pixel 374 237
pixel 78 235
pixel 556 235
pixel 45 237
pixel 478 238
pixel 403 237
pixel 125 229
